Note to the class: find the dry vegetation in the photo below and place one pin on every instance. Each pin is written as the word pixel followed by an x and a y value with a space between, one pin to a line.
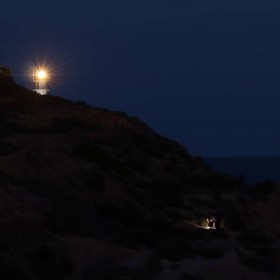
pixel 87 193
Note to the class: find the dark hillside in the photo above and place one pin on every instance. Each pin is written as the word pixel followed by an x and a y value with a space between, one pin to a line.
pixel 87 193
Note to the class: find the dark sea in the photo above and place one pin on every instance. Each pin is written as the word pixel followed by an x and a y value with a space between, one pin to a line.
pixel 255 169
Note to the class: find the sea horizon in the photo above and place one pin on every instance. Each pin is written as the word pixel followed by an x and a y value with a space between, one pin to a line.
pixel 255 169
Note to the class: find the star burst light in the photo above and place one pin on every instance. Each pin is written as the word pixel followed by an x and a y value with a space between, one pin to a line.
pixel 42 74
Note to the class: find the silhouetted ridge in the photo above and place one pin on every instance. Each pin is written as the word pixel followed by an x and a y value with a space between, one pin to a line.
pixel 88 193
pixel 6 79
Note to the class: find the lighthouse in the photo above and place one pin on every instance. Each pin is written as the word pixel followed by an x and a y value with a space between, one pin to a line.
pixel 40 79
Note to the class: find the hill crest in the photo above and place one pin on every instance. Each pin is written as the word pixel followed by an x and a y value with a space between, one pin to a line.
pixel 87 193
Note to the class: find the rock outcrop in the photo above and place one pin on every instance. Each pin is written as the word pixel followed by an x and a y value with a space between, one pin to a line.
pixel 87 193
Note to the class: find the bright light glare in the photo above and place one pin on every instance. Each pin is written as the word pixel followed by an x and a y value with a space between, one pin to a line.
pixel 42 74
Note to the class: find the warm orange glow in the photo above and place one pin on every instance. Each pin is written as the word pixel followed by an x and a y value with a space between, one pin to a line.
pixel 42 74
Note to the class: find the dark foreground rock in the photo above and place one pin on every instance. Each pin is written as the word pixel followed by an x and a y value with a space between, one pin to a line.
pixel 87 193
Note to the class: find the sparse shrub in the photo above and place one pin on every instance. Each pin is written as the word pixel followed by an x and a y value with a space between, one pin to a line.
pixel 90 273
pixel 254 237
pixel 207 235
pixel 7 147
pixel 21 234
pixel 232 218
pixel 187 276
pixel 91 152
pixel 68 124
pixel 204 203
pixel 147 144
pixel 261 190
pixel 44 186
pixel 139 165
pixel 94 180
pixel 174 266
pixel 82 104
pixel 49 263
pixel 196 200
pixel 151 268
pixel 210 252
pixel 9 270
pixel 188 207
pixel 9 128
pixel 220 234
pixel 262 264
pixel 101 274
pixel 256 241
pixel 158 222
pixel 173 213
pixel 174 249
pixel 5 242
pixel 128 213
pixel 161 194
pixel 104 270
pixel 234 223
pixel 5 178
pixel 5 72
pixel 72 215
pixel 132 238
pixel 216 182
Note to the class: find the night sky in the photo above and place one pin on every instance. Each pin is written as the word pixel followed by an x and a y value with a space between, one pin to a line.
pixel 204 73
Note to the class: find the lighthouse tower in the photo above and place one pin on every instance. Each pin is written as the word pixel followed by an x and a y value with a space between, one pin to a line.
pixel 40 79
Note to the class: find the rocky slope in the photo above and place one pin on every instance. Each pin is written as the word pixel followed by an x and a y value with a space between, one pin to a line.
pixel 87 193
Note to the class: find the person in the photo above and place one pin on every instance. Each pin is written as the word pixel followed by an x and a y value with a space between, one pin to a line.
pixel 212 222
